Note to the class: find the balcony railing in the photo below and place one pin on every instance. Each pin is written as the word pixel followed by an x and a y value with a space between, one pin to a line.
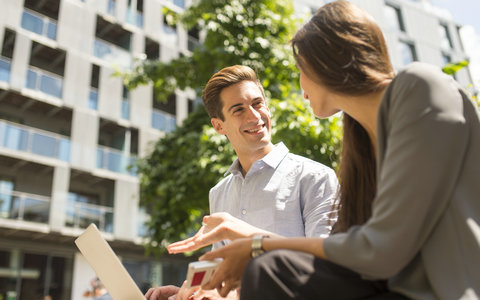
pixel 81 214
pixel 31 140
pixel 163 121
pixel 93 99
pixel 112 53
pixel 4 69
pixel 135 18
pixel 39 24
pixel 115 161
pixel 24 206
pixel 45 82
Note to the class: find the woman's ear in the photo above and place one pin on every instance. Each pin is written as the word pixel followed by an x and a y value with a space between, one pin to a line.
pixel 217 125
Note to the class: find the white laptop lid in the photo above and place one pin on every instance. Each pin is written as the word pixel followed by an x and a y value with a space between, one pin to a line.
pixel 106 264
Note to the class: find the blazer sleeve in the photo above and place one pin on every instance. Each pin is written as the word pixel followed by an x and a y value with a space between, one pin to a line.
pixel 423 136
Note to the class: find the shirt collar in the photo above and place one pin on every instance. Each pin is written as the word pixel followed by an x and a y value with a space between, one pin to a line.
pixel 272 159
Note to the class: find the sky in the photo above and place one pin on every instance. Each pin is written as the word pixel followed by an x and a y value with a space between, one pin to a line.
pixel 464 12
pixel 467 13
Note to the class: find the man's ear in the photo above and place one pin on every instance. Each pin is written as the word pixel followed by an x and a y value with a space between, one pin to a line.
pixel 217 125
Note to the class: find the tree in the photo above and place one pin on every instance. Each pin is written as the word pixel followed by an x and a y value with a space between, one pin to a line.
pixel 248 32
pixel 176 177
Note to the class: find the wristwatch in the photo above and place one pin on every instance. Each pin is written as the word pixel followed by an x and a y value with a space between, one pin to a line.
pixel 257 248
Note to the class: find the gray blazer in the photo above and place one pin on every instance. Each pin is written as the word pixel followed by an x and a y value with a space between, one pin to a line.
pixel 424 233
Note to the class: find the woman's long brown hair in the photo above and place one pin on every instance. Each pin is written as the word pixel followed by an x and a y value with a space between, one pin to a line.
pixel 343 48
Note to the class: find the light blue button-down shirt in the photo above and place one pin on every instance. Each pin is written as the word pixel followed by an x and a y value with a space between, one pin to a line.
pixel 283 193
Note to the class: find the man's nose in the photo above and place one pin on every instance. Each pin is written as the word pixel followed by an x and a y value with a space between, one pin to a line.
pixel 253 113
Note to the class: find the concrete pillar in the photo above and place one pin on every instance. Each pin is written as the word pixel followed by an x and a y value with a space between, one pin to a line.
pixel 84 139
pixel 58 204
pixel 76 83
pixel 109 94
pixel 141 106
pixel 71 18
pixel 125 209
pixel 20 61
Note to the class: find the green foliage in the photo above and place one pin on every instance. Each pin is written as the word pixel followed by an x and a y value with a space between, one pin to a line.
pixel 248 32
pixel 177 176
pixel 452 68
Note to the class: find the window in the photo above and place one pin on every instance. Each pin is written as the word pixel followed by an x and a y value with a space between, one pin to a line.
pixel 445 38
pixel 407 52
pixel 394 18
pixel 125 103
pixel 93 95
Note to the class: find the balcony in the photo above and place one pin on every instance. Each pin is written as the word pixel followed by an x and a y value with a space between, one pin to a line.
pixel 112 53
pixel 27 139
pixel 45 82
pixel 39 24
pixel 134 18
pixel 80 213
pixel 4 69
pixel 24 206
pixel 163 121
pixel 115 161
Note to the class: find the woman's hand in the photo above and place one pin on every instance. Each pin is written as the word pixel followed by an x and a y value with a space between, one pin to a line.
pixel 235 257
pixel 216 227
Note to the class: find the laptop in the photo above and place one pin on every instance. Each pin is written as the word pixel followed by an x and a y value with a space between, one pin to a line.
pixel 106 264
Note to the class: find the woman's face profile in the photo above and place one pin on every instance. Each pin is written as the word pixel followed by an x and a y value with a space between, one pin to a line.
pixel 321 99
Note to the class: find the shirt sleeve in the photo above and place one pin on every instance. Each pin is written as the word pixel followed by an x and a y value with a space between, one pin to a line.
pixel 319 188
pixel 425 138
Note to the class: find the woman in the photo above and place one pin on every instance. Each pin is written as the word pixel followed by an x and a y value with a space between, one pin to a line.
pixel 410 170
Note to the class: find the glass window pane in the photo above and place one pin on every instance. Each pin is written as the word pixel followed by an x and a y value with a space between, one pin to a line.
pixel 51 85
pixel 446 41
pixel 33 276
pixel 394 18
pixel 407 53
pixel 64 150
pixel 52 30
pixel 15 208
pixel 93 100
pixel 4 70
pixel 32 23
pixel 125 109
pixel 31 80
pixel 36 210
pixel 43 145
pixel 9 263
pixel 15 138
pixel 180 3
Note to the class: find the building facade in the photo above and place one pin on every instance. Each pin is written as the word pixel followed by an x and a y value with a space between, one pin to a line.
pixel 68 132
pixel 69 129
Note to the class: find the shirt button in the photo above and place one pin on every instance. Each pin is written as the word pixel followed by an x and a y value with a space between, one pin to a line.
pixel 244 211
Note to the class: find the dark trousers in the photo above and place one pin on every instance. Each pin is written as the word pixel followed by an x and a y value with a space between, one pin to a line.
pixel 285 274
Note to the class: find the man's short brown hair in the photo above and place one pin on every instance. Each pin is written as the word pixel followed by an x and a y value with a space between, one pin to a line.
pixel 222 79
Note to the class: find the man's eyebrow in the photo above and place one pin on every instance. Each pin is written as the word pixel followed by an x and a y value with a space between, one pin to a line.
pixel 233 106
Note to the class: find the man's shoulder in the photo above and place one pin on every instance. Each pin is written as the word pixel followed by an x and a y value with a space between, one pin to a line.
pixel 307 162
pixel 222 184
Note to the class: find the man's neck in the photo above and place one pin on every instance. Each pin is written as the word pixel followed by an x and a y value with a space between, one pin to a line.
pixel 247 159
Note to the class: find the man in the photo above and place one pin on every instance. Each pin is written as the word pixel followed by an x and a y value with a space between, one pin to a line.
pixel 269 191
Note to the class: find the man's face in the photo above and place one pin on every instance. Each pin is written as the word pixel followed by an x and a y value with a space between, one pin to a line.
pixel 247 117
